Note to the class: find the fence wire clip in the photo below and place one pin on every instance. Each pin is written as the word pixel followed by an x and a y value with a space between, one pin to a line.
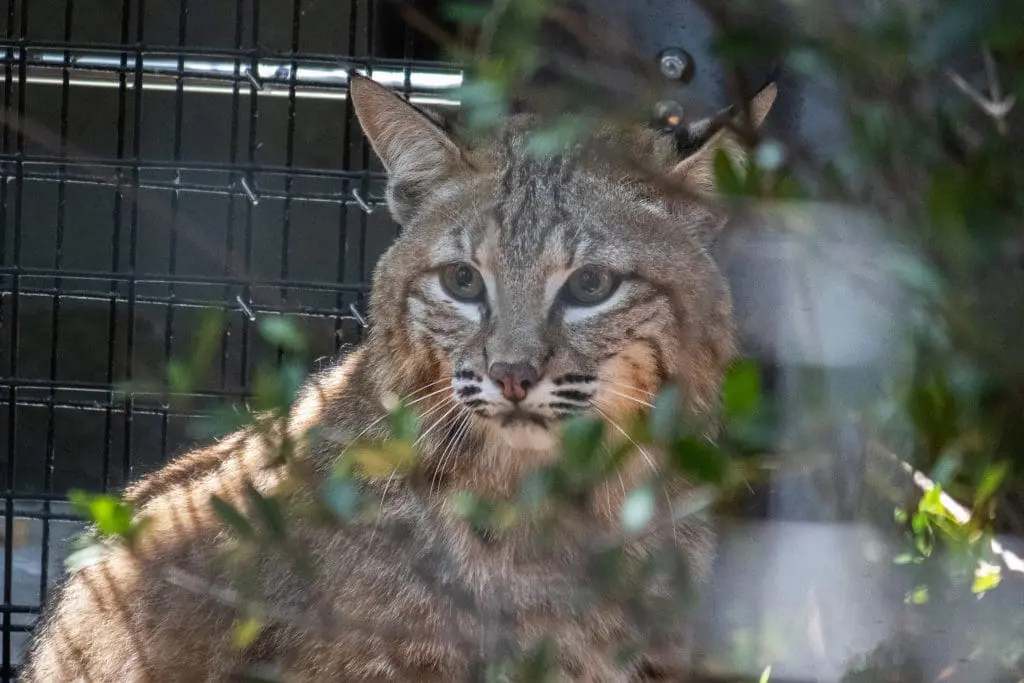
pixel 361 202
pixel 357 315
pixel 253 79
pixel 245 309
pixel 254 198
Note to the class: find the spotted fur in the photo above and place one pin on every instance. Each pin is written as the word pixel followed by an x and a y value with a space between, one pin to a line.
pixel 417 596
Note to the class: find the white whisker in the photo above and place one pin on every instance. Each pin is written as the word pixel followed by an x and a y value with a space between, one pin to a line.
pixel 613 423
pixel 628 387
pixel 631 398
pixel 424 398
pixel 438 421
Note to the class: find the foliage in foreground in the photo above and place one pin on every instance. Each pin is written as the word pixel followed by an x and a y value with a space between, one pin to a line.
pixel 934 153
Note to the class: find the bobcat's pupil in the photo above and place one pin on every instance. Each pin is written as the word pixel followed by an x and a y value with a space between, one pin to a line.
pixel 590 281
pixel 462 281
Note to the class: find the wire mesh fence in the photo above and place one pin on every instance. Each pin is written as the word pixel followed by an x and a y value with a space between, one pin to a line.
pixel 161 160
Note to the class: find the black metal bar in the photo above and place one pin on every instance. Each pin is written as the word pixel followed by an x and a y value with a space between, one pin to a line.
pixel 58 263
pixel 299 310
pixel 229 229
pixel 15 284
pixel 254 112
pixel 161 278
pixel 346 161
pixel 243 54
pixel 133 238
pixel 286 221
pixel 148 164
pixel 172 248
pixel 115 257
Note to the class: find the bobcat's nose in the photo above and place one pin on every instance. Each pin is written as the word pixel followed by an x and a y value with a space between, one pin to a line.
pixel 515 379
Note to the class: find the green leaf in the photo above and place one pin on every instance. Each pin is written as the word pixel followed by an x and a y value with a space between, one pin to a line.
pixel 665 415
pixel 931 502
pixel 280 331
pixel 766 674
pixel 556 138
pixel 110 515
pixel 741 391
pixel 903 558
pixel 464 503
pixel 700 459
pixel 269 511
pixel 918 596
pixel 991 480
pixel 179 377
pixel 405 424
pixel 342 496
pixel 638 509
pixel 465 12
pixel 581 438
pixel 233 518
pixel 986 577
pixel 245 632
pixel 383 462
pixel 727 178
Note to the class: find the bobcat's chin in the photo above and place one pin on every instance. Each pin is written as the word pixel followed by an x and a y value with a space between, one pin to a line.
pixel 526 435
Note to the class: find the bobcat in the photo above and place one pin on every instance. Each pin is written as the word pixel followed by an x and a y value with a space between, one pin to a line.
pixel 524 289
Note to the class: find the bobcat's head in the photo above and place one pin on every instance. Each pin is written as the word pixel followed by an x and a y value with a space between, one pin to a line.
pixel 532 287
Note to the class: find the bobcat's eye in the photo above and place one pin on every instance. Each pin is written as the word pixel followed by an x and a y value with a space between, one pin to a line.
pixel 590 285
pixel 462 281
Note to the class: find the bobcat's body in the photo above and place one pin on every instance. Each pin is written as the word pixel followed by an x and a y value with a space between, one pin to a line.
pixel 417 595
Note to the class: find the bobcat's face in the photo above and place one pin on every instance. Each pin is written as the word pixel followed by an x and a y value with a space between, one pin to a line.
pixel 544 287
pixel 544 306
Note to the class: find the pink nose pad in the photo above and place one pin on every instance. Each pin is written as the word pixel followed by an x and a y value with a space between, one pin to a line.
pixel 515 379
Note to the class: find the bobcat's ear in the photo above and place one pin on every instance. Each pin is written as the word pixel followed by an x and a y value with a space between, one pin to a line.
pixel 698 169
pixel 415 150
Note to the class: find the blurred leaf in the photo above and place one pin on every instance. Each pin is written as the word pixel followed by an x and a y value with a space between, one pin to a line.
pixel 741 391
pixel 700 459
pixel 903 558
pixel 484 103
pixel 179 377
pixel 638 509
pixel 665 415
pixel 727 178
pixel 900 515
pixel 276 388
pixel 280 331
pixel 918 596
pixel 465 12
pixel 405 424
pixel 342 496
pixel 556 138
pixel 219 422
pixel 581 438
pixel 269 511
pixel 234 519
pixel 991 480
pixel 986 577
pixel 111 515
pixel 245 632
pixel 464 503
pixel 384 461
pixel 766 674
pixel 931 502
